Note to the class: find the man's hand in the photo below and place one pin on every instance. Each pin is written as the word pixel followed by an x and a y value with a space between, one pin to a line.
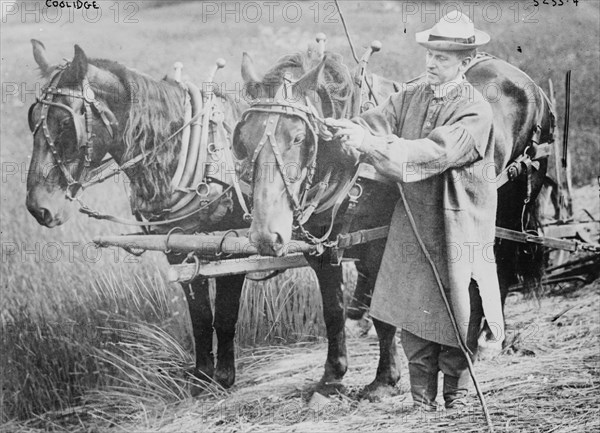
pixel 350 134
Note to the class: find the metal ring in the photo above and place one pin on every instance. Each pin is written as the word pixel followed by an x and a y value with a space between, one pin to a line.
pixel 192 255
pixel 68 192
pixel 214 151
pixel 212 148
pixel 200 187
pixel 358 195
pixel 197 270
pixel 174 229
pixel 220 252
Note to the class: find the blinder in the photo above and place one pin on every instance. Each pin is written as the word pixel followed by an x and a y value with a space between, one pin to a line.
pixel 30 117
pixel 239 151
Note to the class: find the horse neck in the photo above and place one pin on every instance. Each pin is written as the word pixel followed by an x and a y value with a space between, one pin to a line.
pixel 149 113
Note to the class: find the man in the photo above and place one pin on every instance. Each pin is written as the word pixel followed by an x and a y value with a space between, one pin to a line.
pixel 435 138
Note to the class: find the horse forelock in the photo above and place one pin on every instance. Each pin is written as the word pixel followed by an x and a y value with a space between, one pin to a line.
pixel 335 82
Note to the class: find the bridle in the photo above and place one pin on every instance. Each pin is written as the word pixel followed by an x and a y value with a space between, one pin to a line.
pixel 83 125
pixel 275 108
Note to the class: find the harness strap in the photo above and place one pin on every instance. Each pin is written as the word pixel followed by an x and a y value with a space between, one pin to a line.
pixel 337 252
pixel 234 178
pixel 208 102
pixel 336 207
pixel 347 240
pixel 314 202
pixel 83 208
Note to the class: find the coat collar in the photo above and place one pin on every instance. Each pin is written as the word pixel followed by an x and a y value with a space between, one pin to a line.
pixel 447 90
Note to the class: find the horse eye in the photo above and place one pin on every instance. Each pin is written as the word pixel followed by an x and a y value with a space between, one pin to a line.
pixel 299 139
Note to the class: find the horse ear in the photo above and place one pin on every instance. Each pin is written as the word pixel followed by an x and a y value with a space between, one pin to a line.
pixel 251 78
pixel 39 55
pixel 77 69
pixel 310 80
pixel 249 73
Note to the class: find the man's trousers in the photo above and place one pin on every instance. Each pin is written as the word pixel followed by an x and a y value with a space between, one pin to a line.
pixel 426 358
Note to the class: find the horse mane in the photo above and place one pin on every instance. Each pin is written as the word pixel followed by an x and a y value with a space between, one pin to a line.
pixel 336 82
pixel 155 112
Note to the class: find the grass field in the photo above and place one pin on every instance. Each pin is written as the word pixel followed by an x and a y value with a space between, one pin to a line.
pixel 75 320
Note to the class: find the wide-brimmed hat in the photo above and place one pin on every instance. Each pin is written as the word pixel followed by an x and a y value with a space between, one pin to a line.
pixel 454 32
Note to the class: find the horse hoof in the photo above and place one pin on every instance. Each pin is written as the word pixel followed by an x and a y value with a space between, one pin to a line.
pixel 377 391
pixel 199 374
pixel 224 378
pixel 487 348
pixel 198 381
pixel 328 388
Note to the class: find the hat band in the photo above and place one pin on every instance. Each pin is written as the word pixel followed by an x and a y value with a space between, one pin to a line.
pixel 470 40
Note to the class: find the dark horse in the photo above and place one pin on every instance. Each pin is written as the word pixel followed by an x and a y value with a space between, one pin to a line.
pixel 282 130
pixel 91 108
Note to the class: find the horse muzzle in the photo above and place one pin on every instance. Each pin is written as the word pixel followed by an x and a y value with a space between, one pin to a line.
pixel 267 243
pixel 46 212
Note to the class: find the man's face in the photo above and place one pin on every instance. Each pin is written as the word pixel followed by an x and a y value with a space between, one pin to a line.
pixel 442 66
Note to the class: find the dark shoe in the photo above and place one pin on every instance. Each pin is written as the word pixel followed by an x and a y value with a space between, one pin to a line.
pixel 425 407
pixel 459 405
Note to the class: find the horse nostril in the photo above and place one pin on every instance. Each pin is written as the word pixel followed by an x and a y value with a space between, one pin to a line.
pixel 46 216
pixel 276 243
pixel 42 215
pixel 278 239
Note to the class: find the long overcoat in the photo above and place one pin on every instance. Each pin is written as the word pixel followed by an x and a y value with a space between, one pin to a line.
pixel 442 151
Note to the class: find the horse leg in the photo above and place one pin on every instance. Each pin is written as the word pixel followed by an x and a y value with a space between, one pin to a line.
pixel 388 370
pixel 370 256
pixel 361 299
pixel 330 284
pixel 227 303
pixel 201 316
pixel 505 252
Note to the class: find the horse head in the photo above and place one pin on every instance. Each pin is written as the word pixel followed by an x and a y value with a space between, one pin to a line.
pixel 279 136
pixel 72 129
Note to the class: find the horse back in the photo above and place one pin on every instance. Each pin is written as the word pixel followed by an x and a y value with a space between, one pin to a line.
pixel 518 105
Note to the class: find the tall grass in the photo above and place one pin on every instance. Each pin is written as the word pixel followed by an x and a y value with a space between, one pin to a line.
pixel 50 361
pixel 283 309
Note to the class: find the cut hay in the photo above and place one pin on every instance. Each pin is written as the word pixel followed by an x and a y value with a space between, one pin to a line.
pixel 546 380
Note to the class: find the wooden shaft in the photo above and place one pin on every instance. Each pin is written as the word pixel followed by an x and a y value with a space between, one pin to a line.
pixel 189 271
pixel 202 244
